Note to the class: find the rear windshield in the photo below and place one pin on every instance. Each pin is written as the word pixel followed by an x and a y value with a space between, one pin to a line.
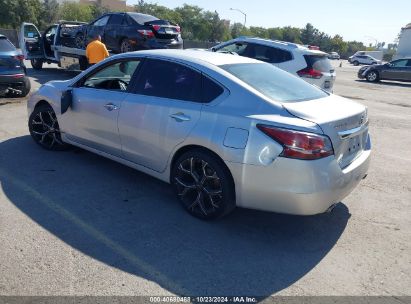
pixel 142 18
pixel 319 63
pixel 6 46
pixel 273 82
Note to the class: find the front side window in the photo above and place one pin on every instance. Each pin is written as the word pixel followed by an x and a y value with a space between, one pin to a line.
pixel 237 47
pixel 274 83
pixel 169 80
pixel 115 77
pixel 30 31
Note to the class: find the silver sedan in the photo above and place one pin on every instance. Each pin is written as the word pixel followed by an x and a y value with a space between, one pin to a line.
pixel 224 130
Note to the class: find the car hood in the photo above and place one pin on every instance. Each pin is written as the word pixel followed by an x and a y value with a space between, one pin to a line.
pixel 60 85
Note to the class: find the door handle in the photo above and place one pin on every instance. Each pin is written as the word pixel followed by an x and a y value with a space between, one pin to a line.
pixel 110 107
pixel 180 117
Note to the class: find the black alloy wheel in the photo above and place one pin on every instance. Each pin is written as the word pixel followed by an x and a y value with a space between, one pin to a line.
pixel 45 130
pixel 203 185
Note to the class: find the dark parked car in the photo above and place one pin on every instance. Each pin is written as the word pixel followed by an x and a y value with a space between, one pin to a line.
pixel 13 80
pixel 395 70
pixel 124 32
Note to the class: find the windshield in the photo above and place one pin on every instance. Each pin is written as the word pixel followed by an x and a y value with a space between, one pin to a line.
pixel 6 46
pixel 273 82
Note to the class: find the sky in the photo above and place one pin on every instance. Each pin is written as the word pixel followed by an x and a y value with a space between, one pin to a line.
pixel 362 20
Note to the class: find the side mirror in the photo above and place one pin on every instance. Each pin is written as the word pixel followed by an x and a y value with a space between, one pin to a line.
pixel 66 100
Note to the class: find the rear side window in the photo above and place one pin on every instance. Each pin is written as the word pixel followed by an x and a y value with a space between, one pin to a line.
pixel 169 80
pixel 268 53
pixel 211 90
pixel 319 63
pixel 116 19
pixel 102 21
pixel 6 45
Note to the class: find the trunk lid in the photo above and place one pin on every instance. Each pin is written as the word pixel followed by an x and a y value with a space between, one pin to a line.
pixel 344 121
pixel 163 29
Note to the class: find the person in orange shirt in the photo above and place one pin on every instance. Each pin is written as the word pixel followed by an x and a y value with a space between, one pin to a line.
pixel 96 51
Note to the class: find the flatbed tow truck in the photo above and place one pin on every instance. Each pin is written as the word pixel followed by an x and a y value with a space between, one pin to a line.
pixel 53 46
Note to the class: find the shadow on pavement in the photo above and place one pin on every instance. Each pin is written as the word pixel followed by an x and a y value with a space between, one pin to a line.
pixel 388 83
pixel 131 221
pixel 50 73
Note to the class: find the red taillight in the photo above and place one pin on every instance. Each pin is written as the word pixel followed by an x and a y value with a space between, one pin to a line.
pixel 298 144
pixel 18 75
pixel 146 33
pixel 178 29
pixel 310 73
pixel 156 27
pixel 19 57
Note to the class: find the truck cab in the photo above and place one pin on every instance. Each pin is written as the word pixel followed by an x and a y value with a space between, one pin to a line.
pixel 55 45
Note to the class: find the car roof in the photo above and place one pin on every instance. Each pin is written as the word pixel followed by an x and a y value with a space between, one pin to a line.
pixel 194 56
pixel 278 43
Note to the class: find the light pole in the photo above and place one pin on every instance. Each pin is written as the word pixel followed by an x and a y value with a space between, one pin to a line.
pixel 245 15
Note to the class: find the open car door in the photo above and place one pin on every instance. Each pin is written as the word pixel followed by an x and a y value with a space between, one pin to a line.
pixel 30 41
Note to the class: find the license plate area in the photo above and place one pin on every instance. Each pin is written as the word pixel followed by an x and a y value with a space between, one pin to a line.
pixel 352 148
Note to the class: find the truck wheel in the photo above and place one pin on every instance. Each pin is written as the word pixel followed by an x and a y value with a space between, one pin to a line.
pixel 37 64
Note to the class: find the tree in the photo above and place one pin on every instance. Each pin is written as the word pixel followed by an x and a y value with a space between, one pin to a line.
pixel 291 34
pixel 76 12
pixel 309 34
pixel 14 12
pixel 275 33
pixel 50 11
pixel 97 9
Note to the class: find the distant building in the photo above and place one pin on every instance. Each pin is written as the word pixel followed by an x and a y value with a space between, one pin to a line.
pixel 404 43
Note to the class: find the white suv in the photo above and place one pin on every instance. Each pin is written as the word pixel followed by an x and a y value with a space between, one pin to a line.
pixel 312 65
pixel 363 59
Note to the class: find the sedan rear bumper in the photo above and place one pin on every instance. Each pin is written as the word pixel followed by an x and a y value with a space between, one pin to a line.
pixel 297 186
pixel 12 82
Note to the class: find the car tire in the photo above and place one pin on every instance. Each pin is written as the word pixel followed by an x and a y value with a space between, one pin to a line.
pixel 356 63
pixel 372 76
pixel 45 130
pixel 203 184
pixel 125 46
pixel 27 87
pixel 79 41
pixel 37 64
